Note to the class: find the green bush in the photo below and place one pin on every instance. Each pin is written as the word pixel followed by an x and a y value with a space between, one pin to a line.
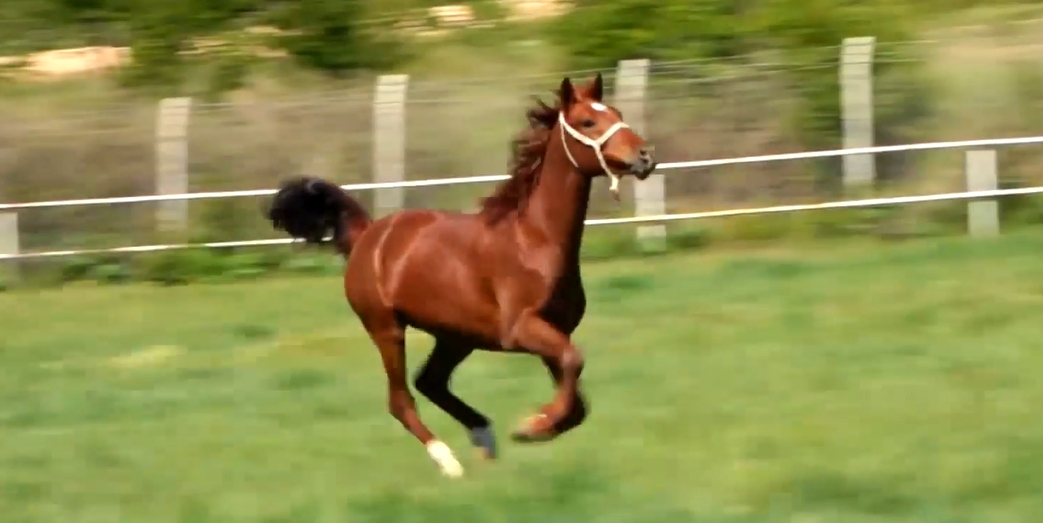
pixel 158 35
pixel 329 35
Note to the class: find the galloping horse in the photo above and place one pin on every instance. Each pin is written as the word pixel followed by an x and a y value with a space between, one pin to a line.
pixel 504 279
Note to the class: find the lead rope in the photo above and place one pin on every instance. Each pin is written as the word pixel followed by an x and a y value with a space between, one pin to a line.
pixel 594 144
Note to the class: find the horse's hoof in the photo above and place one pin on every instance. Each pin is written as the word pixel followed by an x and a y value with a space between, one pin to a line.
pixel 447 463
pixel 453 472
pixel 535 429
pixel 484 441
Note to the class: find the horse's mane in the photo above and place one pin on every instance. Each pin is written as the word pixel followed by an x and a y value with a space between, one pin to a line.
pixel 527 150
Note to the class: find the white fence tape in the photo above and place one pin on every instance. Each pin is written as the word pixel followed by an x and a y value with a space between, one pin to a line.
pixel 659 218
pixel 1027 140
pixel 844 204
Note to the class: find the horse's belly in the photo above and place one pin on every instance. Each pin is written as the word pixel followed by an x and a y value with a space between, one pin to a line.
pixel 444 304
pixel 446 315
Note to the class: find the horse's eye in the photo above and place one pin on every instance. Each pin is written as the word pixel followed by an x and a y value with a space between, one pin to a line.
pixel 588 123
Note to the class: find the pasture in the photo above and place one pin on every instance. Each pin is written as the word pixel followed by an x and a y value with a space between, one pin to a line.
pixel 842 382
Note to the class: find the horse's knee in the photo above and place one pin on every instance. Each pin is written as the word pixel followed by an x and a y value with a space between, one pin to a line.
pixel 572 360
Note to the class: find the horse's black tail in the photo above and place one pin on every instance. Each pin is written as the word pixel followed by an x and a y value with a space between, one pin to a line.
pixel 313 208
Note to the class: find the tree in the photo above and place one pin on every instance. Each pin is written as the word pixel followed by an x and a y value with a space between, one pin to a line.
pixel 328 35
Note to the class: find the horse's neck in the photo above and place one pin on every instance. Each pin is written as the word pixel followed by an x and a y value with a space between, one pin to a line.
pixel 558 204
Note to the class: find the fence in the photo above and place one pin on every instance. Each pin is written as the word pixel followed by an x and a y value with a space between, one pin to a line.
pixel 983 216
pixel 391 141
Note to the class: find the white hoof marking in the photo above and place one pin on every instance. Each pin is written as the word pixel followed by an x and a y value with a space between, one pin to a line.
pixel 443 456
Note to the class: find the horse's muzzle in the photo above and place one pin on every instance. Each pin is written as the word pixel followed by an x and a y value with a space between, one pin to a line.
pixel 643 170
pixel 645 163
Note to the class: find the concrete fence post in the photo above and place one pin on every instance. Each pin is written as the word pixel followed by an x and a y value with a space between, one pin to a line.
pixel 856 106
pixel 389 141
pixel 172 162
pixel 983 216
pixel 650 194
pixel 9 245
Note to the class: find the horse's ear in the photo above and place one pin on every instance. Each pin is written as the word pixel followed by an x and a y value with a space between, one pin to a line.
pixel 567 93
pixel 596 89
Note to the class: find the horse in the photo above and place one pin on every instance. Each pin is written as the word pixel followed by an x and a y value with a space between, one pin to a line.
pixel 503 279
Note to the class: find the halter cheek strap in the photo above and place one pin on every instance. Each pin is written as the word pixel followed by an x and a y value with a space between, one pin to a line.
pixel 594 144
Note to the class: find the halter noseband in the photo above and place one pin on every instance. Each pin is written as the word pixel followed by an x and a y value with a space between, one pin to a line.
pixel 594 144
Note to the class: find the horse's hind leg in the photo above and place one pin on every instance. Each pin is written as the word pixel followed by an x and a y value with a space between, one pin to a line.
pixel 432 381
pixel 390 338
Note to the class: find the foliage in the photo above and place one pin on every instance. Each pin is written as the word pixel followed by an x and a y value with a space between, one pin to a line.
pixel 327 35
pixel 179 267
pixel 598 34
pixel 159 35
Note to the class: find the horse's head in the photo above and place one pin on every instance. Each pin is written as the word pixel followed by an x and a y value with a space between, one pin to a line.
pixel 596 139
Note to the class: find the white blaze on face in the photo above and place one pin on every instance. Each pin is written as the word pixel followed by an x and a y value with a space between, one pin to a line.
pixel 598 107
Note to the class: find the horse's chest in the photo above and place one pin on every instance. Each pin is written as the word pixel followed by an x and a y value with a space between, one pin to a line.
pixel 566 306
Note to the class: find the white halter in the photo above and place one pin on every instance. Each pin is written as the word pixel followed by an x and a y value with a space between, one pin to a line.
pixel 594 144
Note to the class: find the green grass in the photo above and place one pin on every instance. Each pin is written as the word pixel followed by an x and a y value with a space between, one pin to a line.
pixel 844 383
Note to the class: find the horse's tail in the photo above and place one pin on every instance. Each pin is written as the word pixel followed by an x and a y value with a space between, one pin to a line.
pixel 313 208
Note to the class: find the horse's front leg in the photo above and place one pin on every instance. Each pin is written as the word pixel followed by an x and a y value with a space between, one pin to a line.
pixel 574 307
pixel 533 334
pixel 580 406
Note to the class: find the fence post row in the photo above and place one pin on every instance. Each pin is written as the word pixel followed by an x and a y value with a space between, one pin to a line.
pixel 389 141
pixel 649 195
pixel 856 108
pixel 983 216
pixel 172 162
pixel 389 150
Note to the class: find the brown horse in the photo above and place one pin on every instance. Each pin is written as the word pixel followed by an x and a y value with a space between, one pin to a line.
pixel 504 279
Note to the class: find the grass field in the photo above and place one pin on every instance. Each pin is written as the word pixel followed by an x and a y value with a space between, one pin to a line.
pixel 848 382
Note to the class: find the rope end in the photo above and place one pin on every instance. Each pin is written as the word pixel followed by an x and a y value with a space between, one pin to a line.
pixel 614 186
